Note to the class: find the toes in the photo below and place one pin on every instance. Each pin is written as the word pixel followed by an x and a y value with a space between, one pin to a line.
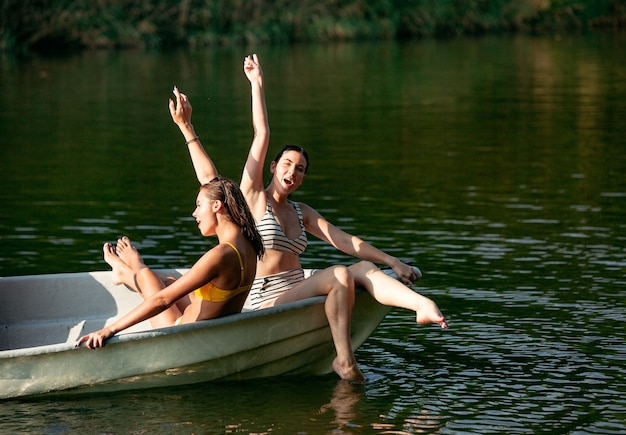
pixel 109 249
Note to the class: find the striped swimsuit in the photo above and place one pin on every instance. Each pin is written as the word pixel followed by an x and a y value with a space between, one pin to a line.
pixel 267 288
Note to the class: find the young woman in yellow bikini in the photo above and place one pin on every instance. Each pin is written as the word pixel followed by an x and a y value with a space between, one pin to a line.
pixel 216 285
pixel 283 225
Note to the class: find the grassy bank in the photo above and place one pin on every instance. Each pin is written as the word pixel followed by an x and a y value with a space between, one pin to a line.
pixel 52 25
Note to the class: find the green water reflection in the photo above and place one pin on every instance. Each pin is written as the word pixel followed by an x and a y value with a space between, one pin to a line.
pixel 497 165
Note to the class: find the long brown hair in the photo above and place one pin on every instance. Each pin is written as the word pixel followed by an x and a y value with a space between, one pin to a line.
pixel 237 210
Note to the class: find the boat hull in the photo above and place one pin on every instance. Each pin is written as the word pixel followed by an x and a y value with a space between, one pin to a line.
pixel 285 340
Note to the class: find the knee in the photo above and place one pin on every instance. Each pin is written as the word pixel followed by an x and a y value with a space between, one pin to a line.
pixel 343 277
pixel 363 268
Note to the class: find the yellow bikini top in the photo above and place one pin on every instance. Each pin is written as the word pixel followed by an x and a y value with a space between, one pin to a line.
pixel 209 292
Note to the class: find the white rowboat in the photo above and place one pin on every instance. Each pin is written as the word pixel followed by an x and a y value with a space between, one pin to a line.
pixel 42 316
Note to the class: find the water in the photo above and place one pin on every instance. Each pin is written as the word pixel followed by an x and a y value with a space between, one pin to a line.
pixel 497 165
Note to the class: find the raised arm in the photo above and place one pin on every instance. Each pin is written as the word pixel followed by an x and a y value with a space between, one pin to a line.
pixel 252 177
pixel 353 245
pixel 181 115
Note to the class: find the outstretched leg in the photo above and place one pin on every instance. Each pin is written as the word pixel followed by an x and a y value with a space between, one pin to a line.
pixel 391 292
pixel 338 285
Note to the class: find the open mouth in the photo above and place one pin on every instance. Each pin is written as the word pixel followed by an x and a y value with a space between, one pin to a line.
pixel 288 182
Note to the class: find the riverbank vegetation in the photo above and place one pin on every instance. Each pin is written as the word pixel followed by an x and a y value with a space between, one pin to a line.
pixel 58 25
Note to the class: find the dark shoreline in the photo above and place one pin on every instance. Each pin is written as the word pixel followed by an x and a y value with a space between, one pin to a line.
pixel 58 26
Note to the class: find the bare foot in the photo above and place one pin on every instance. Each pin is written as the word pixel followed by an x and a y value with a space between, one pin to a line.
pixel 120 269
pixel 428 312
pixel 129 254
pixel 348 371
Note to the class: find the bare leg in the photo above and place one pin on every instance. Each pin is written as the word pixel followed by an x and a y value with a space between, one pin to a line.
pixel 127 252
pixel 338 286
pixel 391 292
pixel 122 273
pixel 145 282
pixel 150 284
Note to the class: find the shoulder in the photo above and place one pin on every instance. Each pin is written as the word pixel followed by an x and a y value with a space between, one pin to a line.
pixel 295 204
pixel 302 206
pixel 218 254
pixel 224 249
pixel 213 256
pixel 308 212
pixel 221 257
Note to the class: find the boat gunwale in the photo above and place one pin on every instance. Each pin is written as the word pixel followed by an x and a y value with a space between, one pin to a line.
pixel 168 330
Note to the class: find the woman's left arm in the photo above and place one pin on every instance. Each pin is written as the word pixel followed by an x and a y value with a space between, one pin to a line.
pixel 349 244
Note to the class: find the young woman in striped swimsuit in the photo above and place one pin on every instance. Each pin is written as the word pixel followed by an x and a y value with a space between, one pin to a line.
pixel 283 225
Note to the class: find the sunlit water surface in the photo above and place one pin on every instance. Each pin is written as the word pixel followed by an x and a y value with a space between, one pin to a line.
pixel 496 165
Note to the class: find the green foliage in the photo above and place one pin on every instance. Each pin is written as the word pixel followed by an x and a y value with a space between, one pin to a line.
pixel 63 24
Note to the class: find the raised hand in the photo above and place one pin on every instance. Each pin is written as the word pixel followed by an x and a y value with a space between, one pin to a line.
pixel 252 68
pixel 180 109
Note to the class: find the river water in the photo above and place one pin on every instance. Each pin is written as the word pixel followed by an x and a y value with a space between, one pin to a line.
pixel 497 165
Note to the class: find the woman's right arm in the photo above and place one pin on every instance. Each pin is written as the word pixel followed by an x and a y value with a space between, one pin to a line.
pixel 252 177
pixel 181 115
